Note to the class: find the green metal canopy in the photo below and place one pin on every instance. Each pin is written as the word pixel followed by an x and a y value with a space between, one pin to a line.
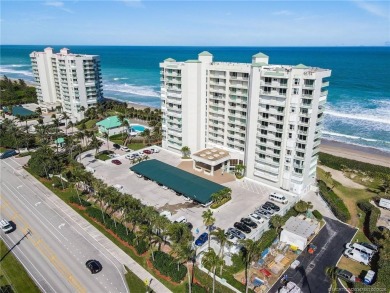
pixel 192 186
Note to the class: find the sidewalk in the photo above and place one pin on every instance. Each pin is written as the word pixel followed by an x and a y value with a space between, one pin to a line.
pixel 114 250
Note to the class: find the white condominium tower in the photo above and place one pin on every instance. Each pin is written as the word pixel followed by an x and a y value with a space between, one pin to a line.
pixel 68 80
pixel 267 117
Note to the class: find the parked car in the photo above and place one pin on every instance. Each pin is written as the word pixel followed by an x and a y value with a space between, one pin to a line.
pixel 278 197
pixel 236 233
pixel 189 225
pixel 275 207
pixel 118 187
pixel 139 175
pixel 369 277
pixel 5 226
pixel 242 227
pixel 155 150
pixel 229 235
pixel 7 154
pixel 345 275
pixel 113 156
pixel 256 218
pixel 165 188
pixel 116 162
pixel 202 239
pixel 269 209
pixel 125 149
pixel 263 213
pixel 148 152
pixel 248 222
pixel 357 256
pixel 166 214
pixel 181 220
pixel 116 146
pixel 94 266
pixel 360 248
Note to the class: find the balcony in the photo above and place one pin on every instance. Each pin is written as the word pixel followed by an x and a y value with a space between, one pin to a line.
pixel 325 84
pixel 324 93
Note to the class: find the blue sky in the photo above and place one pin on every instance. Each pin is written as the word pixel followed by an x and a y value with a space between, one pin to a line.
pixel 211 23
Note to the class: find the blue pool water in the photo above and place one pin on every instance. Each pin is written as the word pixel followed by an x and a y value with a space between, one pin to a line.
pixel 137 128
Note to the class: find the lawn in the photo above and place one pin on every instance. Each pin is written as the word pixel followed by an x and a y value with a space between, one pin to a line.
pixel 135 284
pixel 90 123
pixel 353 266
pixel 350 196
pixel 12 273
pixel 103 157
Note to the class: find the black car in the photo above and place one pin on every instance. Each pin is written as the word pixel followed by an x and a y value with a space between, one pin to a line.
pixel 242 227
pixel 345 275
pixel 369 246
pixel 189 225
pixel 94 266
pixel 269 209
pixel 249 222
pixel 272 205
pixel 236 233
pixel 116 146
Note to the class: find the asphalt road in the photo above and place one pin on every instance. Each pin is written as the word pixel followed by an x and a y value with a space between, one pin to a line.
pixel 55 251
pixel 310 275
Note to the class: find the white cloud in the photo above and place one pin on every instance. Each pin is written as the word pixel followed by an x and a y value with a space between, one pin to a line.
pixel 282 12
pixel 372 8
pixel 58 4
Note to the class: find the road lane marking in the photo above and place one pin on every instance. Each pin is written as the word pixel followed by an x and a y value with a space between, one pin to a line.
pixel 61 225
pixel 38 203
pixel 75 221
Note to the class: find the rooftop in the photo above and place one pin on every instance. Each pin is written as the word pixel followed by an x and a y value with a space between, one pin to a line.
pixel 192 186
pixel 213 154
pixel 205 53
pixel 304 228
pixel 110 122
pixel 260 55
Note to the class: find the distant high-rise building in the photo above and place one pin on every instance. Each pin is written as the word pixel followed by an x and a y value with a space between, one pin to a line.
pixel 71 81
pixel 266 117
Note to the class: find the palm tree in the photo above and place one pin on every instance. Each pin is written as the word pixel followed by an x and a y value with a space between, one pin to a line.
pixel 331 272
pixel 385 186
pixel 65 117
pixel 70 125
pixel 106 136
pixel 239 170
pixel 184 252
pixel 185 150
pixel 96 144
pixel 302 206
pixel 250 252
pixel 146 135
pixel 222 238
pixel 179 232
pixel 208 220
pixel 213 261
pixel 276 221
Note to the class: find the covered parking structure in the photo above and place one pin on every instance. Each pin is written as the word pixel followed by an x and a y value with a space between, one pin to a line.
pixel 192 186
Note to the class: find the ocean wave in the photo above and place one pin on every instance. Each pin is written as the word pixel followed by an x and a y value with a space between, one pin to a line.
pixel 120 78
pixel 364 117
pixel 18 65
pixel 142 90
pixel 354 137
pixel 4 69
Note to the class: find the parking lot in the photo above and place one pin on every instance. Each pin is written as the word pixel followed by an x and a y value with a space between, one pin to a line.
pixel 309 275
pixel 247 195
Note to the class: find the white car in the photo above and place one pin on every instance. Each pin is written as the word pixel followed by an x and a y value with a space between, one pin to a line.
pixel 256 218
pixel 118 187
pixel 5 226
pixel 180 220
pixel 155 150
pixel 125 149
pixel 165 188
pixel 166 214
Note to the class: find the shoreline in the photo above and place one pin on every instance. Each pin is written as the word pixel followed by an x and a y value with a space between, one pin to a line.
pixel 340 149
pixel 355 152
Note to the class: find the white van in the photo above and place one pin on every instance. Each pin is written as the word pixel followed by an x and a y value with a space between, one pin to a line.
pixel 180 220
pixel 357 256
pixel 5 226
pixel 360 248
pixel 278 197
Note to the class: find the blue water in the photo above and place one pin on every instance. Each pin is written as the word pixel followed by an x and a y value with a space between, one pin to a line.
pixel 358 108
pixel 137 128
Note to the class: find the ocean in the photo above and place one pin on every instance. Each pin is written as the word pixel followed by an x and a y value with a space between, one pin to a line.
pixel 358 108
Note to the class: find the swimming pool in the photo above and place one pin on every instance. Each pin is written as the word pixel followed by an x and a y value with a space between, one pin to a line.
pixel 137 128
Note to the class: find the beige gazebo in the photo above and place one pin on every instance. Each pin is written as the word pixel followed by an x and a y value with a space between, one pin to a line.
pixel 210 160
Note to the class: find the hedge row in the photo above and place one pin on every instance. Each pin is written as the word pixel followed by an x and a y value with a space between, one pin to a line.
pixel 336 204
pixel 195 288
pixel 168 266
pixel 80 201
pixel 318 215
pixel 372 215
pixel 339 163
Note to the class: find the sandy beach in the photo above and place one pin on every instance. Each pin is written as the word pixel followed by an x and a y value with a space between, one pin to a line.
pixel 354 152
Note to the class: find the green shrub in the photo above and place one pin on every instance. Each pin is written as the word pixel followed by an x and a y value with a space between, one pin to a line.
pixel 79 201
pixel 58 183
pixel 372 215
pixel 207 282
pixel 339 163
pixel 364 205
pixel 238 263
pixel 318 215
pixel 335 203
pixel 168 266
pixel 125 234
pixel 141 247
pixel 97 214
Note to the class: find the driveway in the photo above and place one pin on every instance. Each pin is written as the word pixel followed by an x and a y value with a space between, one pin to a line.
pixel 310 275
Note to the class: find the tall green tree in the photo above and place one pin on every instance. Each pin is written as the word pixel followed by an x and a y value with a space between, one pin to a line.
pixel 208 220
pixel 213 261
pixel 251 252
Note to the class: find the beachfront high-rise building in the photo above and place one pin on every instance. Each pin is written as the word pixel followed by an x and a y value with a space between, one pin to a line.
pixel 71 81
pixel 266 117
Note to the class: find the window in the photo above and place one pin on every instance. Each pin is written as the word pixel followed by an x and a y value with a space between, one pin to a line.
pixel 296 91
pixel 286 168
pixel 267 107
pixel 288 152
pixel 296 81
pixel 292 109
pixel 268 79
pixel 291 127
pixel 261 156
pixel 290 135
pixel 265 115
